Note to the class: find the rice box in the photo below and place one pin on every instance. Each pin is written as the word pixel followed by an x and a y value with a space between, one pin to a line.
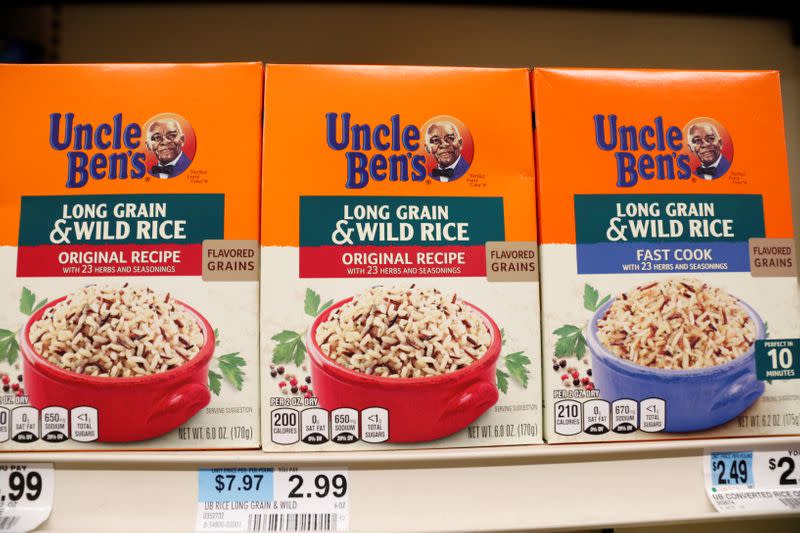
pixel 400 295
pixel 669 290
pixel 129 313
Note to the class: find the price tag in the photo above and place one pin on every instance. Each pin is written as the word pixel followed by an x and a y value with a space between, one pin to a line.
pixel 267 499
pixel 26 496
pixel 753 481
pixel 732 469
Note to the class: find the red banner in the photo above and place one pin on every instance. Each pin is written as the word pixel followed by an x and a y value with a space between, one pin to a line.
pixel 392 261
pixel 110 260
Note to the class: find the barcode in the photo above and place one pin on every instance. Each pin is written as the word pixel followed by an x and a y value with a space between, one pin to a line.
pixel 792 503
pixel 7 522
pixel 292 522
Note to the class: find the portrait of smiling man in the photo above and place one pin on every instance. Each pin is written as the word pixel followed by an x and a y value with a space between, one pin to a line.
pixel 706 143
pixel 165 139
pixel 443 141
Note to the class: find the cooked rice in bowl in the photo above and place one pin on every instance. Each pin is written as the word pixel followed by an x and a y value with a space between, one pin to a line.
pixel 677 324
pixel 117 332
pixel 404 333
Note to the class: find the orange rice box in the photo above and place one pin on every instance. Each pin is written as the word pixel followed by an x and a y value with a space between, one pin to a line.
pixel 399 302
pixel 129 256
pixel 669 274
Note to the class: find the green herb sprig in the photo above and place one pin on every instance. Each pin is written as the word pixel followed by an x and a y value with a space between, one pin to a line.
pixel 230 367
pixel 571 342
pixel 516 367
pixel 290 347
pixel 9 346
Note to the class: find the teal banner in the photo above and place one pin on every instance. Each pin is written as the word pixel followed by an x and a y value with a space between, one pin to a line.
pixel 777 359
pixel 121 219
pixel 686 218
pixel 393 220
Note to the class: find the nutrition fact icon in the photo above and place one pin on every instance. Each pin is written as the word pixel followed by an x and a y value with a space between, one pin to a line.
pixel 314 426
pixel 653 415
pixel 568 417
pixel 83 424
pixel 345 426
pixel 24 424
pixel 5 416
pixel 624 416
pixel 285 426
pixel 375 425
pixel 53 424
pixel 596 416
pixel 318 426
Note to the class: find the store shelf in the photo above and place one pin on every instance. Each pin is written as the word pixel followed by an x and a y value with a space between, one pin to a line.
pixel 515 488
pixel 484 489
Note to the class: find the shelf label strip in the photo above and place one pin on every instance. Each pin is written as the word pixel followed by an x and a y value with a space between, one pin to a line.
pixel 753 481
pixel 26 496
pixel 272 499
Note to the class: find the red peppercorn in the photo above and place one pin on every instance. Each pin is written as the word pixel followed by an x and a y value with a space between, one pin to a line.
pixel 590 386
pixel 15 386
pixel 585 380
pixel 303 388
pixel 282 384
pixel 308 394
pixel 20 392
pixel 575 374
pixel 564 377
pixel 293 381
pixel 6 379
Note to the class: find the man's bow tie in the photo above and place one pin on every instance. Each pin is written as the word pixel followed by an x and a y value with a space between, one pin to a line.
pixel 165 169
pixel 709 171
pixel 442 172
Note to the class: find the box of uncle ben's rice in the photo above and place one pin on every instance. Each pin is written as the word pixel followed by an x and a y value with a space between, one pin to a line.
pixel 669 290
pixel 399 302
pixel 129 313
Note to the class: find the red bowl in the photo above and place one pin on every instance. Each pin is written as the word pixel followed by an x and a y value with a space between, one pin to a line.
pixel 420 409
pixel 128 409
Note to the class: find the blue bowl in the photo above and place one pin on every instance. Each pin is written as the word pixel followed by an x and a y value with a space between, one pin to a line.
pixel 695 399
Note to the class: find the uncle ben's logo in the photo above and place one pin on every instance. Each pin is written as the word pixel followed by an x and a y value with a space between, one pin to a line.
pixel 163 148
pixel 702 148
pixel 441 150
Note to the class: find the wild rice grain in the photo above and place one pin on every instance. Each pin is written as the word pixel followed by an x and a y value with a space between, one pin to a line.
pixel 413 333
pixel 123 333
pixel 677 325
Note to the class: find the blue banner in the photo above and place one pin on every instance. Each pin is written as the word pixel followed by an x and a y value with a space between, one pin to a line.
pixel 663 257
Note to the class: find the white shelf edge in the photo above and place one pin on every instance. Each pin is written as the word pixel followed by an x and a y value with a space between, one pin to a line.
pixel 536 488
